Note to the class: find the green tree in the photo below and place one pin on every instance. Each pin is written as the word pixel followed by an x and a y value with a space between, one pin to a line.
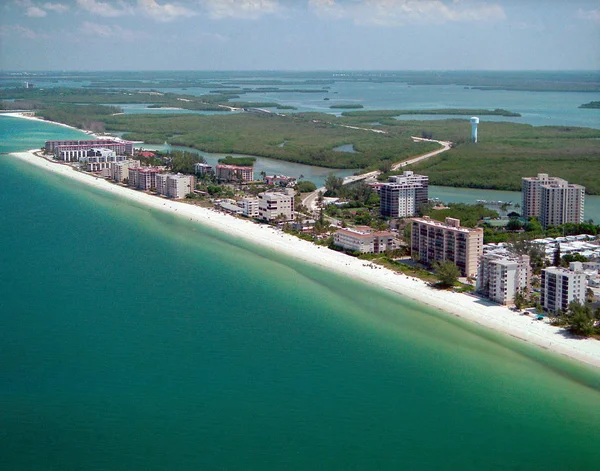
pixel 581 318
pixel 333 184
pixel 306 186
pixel 447 273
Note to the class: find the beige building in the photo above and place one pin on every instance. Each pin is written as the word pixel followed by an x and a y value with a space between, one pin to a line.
pixel 433 241
pixel 120 170
pixel 234 173
pixel 553 200
pixel 560 286
pixel 501 275
pixel 364 241
pixel 144 178
pixel 271 205
pixel 174 186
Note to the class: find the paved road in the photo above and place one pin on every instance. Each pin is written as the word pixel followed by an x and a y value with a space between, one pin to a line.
pixel 310 200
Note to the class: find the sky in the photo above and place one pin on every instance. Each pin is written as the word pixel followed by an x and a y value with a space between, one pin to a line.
pixel 300 35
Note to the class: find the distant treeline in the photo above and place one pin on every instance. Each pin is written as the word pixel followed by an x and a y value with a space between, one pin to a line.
pixel 591 104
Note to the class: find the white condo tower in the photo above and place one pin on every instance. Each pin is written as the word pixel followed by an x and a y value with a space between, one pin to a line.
pixel 474 123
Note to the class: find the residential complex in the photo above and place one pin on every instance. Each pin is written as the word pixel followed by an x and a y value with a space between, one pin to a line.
pixel 502 274
pixel 234 173
pixel 120 170
pixel 364 240
pixel 73 150
pixel 433 241
pixel 201 168
pixel 403 195
pixel 175 186
pixel 249 207
pixel 279 180
pixel 144 178
pixel 98 159
pixel 272 204
pixel 561 286
pixel 553 200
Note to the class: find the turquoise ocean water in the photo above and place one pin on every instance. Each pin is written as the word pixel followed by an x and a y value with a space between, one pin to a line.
pixel 131 339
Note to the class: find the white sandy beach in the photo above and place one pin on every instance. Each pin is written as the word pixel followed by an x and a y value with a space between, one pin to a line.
pixel 467 307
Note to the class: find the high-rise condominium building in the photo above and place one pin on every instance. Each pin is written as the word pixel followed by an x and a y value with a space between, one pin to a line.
pixel 553 200
pixel 403 194
pixel 560 286
pixel 433 241
pixel 501 275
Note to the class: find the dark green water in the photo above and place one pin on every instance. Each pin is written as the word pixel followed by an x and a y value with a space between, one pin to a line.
pixel 130 339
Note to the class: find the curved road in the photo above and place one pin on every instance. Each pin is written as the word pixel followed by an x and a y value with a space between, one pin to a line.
pixel 310 199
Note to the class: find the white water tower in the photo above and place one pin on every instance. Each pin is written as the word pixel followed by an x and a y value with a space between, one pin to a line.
pixel 474 123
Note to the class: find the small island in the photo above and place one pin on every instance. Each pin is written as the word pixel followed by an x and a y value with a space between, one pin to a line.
pixel 591 105
pixel 347 106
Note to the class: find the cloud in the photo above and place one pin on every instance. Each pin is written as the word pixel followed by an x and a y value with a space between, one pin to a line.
pixel 104 8
pixel 164 12
pixel 88 28
pixel 589 15
pixel 249 9
pixel 21 31
pixel 35 12
pixel 398 12
pixel 55 7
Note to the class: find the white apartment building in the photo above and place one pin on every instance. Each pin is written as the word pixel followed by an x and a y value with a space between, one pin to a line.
pixel 403 194
pixel 434 241
pixel 271 205
pixel 501 275
pixel 249 207
pixel 553 200
pixel 174 186
pixel 364 241
pixel 98 159
pixel 560 286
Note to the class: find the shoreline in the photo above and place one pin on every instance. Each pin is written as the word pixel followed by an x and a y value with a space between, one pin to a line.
pixel 469 308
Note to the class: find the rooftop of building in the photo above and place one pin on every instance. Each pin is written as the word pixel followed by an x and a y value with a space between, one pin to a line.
pixel 450 223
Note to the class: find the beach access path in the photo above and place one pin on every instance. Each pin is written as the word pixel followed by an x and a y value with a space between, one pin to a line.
pixel 467 307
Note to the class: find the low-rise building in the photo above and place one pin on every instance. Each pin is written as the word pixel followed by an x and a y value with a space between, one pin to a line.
pixel 364 241
pixel 249 207
pixel 502 275
pixel 434 241
pixel 73 150
pixel 234 173
pixel 201 168
pixel 561 286
pixel 279 180
pixel 274 204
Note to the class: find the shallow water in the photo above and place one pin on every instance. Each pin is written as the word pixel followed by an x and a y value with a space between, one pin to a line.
pixel 132 339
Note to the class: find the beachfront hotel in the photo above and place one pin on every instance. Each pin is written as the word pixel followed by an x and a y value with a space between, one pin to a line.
pixel 560 286
pixel 553 200
pixel 502 275
pixel 274 204
pixel 174 186
pixel 364 240
pixel 73 150
pixel 432 241
pixel 234 173
pixel 403 194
